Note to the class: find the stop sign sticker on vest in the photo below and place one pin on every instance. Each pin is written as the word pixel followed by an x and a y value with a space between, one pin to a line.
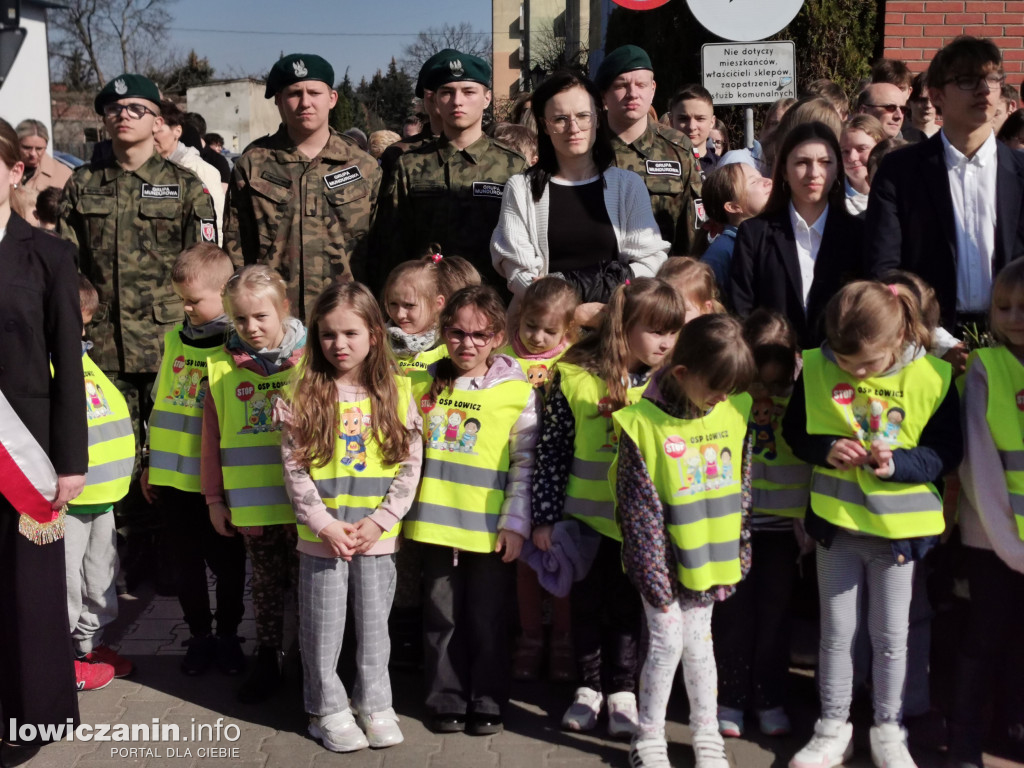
pixel 675 446
pixel 245 391
pixel 179 364
pixel 426 403
pixel 842 393
pixel 1020 400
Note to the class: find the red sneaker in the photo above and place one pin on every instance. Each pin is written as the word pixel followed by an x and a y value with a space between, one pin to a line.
pixel 92 676
pixel 104 654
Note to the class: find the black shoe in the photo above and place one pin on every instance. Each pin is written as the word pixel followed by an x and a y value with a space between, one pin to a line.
pixel 482 724
pixel 200 655
pixel 230 658
pixel 450 722
pixel 12 755
pixel 264 680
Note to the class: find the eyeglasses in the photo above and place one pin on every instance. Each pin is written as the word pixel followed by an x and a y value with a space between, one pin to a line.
pixel 890 108
pixel 136 111
pixel 560 123
pixel 476 338
pixel 719 144
pixel 971 82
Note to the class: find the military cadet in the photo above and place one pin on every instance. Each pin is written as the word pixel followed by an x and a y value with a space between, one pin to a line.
pixel 449 190
pixel 301 199
pixel 663 157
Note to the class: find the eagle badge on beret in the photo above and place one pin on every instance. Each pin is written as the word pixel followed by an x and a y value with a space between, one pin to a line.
pixel 299 66
pixel 120 87
pixel 456 68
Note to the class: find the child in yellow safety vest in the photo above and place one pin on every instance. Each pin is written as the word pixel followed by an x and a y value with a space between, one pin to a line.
pixel 604 372
pixel 542 329
pixel 480 424
pixel 90 538
pixel 992 525
pixel 752 630
pixel 879 421
pixel 240 467
pixel 170 479
pixel 685 524
pixel 352 450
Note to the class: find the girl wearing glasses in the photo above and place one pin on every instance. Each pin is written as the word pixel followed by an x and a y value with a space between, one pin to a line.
pixel 480 420
pixel 574 214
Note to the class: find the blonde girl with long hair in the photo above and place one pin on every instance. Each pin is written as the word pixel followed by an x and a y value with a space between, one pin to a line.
pixel 351 454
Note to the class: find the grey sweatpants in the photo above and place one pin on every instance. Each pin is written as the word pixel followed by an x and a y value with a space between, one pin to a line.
pixel 90 553
pixel 324 586
pixel 844 569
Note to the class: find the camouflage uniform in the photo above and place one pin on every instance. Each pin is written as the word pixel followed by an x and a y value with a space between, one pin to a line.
pixel 440 194
pixel 129 227
pixel 664 159
pixel 309 219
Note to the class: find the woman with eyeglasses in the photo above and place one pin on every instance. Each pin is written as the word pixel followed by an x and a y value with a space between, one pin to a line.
pixel 574 214
pixel 720 138
pixel 41 170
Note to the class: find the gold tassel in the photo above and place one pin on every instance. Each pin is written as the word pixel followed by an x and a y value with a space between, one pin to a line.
pixel 43 533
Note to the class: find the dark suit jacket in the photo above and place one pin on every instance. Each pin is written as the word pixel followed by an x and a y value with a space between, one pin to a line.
pixel 41 322
pixel 765 270
pixel 910 222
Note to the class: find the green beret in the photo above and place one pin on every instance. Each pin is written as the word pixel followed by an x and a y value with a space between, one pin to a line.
pixel 428 66
pixel 626 58
pixel 296 67
pixel 452 67
pixel 127 86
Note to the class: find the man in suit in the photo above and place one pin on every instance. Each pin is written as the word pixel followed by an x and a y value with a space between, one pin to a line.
pixel 949 208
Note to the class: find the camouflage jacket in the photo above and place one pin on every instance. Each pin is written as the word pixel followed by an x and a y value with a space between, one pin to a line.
pixel 664 159
pixel 129 227
pixel 309 219
pixel 440 194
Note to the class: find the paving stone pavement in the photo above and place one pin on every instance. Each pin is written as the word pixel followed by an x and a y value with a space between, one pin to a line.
pixel 273 735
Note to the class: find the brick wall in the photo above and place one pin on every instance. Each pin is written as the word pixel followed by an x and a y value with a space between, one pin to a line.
pixel 914 31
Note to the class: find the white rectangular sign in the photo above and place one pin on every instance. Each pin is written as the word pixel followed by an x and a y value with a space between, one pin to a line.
pixel 749 73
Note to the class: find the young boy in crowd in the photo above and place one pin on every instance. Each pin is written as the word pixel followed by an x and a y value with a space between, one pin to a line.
pixel 90 539
pixel 170 480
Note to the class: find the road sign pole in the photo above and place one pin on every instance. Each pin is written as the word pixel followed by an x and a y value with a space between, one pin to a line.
pixel 748 127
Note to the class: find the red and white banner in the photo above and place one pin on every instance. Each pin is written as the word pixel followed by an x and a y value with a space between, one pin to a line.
pixel 27 478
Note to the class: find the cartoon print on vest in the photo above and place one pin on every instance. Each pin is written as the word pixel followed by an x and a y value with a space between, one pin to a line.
pixel 259 409
pixel 860 408
pixel 453 419
pixel 537 375
pixel 604 409
pixel 177 396
pixel 96 402
pixel 435 430
pixel 726 458
pixel 712 479
pixel 762 417
pixel 893 423
pixel 204 388
pixel 470 430
pixel 354 437
pixel 195 376
pixel 694 478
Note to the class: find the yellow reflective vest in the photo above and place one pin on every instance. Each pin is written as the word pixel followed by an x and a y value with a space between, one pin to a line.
pixel 356 479
pixel 250 444
pixel 418 364
pixel 892 408
pixel 465 464
pixel 696 466
pixel 176 424
pixel 781 483
pixel 111 440
pixel 537 371
pixel 1005 416
pixel 587 495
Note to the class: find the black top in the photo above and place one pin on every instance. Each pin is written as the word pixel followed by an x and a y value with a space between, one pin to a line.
pixel 218 161
pixel 580 232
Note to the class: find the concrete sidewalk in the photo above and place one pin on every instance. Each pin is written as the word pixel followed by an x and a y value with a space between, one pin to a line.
pixel 273 735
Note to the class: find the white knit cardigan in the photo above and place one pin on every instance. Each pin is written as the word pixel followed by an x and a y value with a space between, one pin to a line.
pixel 519 245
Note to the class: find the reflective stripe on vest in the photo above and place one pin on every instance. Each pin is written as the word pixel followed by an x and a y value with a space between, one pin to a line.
pixel 356 479
pixel 536 370
pixel 1005 416
pixel 690 462
pixel 250 444
pixel 588 497
pixel 465 464
pixel 780 481
pixel 111 440
pixel 176 424
pixel 893 409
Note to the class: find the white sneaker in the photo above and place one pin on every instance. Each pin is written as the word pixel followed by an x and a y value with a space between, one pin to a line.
pixel 649 753
pixel 622 714
pixel 889 747
pixel 709 750
pixel 831 745
pixel 338 732
pixel 582 714
pixel 381 728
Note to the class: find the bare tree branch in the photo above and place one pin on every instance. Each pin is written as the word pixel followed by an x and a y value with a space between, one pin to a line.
pixel 462 37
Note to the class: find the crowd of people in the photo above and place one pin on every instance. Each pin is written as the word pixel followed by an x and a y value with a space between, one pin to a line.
pixel 590 355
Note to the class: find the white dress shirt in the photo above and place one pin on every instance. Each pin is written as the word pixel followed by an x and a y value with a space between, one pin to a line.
pixel 972 184
pixel 808 243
